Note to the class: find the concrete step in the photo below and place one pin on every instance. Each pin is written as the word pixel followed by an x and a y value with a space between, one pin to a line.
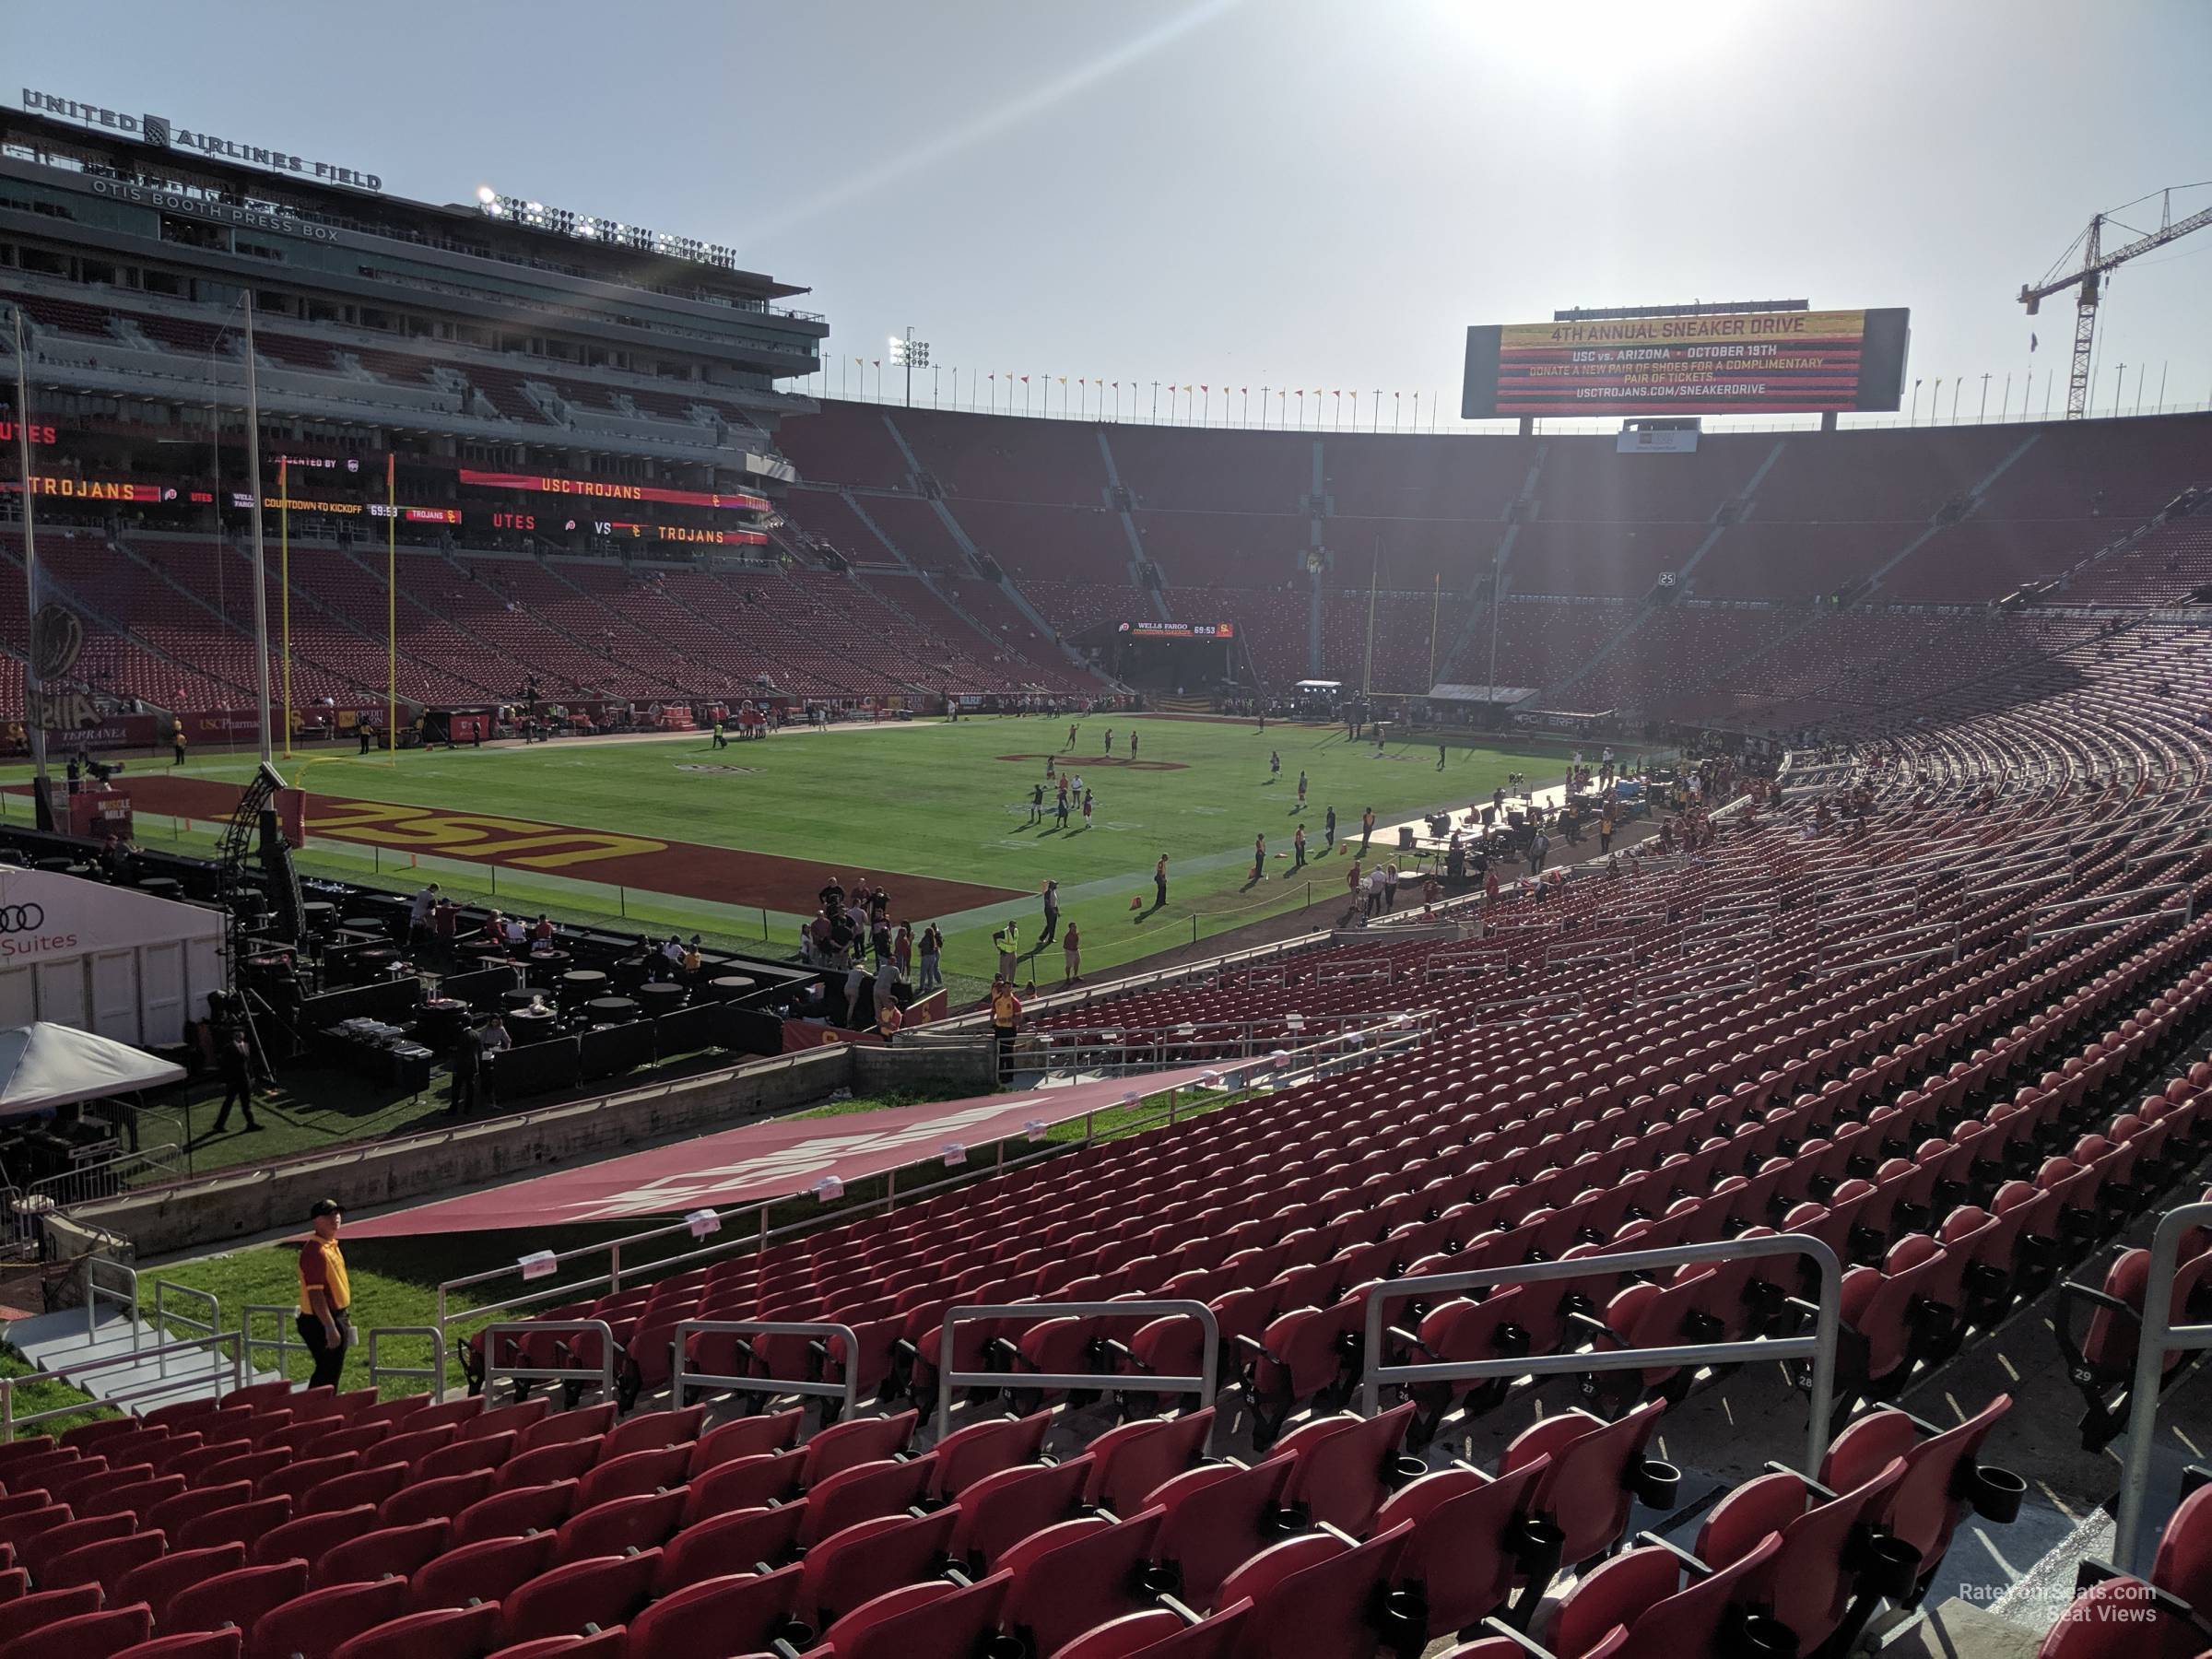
pixel 64 1344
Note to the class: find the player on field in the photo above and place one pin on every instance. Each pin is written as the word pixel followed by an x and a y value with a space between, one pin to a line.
pixel 1110 741
pixel 1071 736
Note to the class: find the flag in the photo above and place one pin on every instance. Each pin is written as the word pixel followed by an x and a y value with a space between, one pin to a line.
pixel 1245 390
pixel 2031 342
pixel 861 362
pixel 1205 388
pixel 1025 380
pixel 1063 379
pixel 878 362
pixel 991 376
pixel 1117 384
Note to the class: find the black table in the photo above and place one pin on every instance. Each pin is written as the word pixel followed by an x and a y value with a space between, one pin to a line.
pixel 162 887
pixel 548 966
pixel 580 985
pixel 374 926
pixel 611 1010
pixel 660 997
pixel 479 949
pixel 318 915
pixel 729 987
pixel 532 1025
pixel 511 1000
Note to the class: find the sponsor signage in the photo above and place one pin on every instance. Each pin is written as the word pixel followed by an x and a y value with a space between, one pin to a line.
pixel 165 134
pixel 606 489
pixel 1180 630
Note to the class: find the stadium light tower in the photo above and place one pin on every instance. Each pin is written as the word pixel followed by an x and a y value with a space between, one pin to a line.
pixel 909 354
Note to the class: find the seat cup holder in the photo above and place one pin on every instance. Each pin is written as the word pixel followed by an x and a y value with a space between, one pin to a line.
pixel 1003 1646
pixel 1405 1467
pixel 1997 1494
pixel 1893 1568
pixel 1759 1636
pixel 1657 1485
pixel 1537 1546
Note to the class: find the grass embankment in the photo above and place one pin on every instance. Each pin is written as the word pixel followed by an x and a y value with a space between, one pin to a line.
pixel 395 1280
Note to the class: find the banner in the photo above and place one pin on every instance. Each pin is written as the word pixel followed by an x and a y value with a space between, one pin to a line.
pixel 605 489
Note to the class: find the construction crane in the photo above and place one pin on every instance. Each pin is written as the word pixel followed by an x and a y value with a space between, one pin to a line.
pixel 2089 248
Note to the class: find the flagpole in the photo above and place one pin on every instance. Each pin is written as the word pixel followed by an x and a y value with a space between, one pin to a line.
pixel 284 581
pixel 34 692
pixel 1435 604
pixel 1367 671
pixel 261 584
pixel 391 610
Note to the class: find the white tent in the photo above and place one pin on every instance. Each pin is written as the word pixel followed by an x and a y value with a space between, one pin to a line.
pixel 106 958
pixel 44 1066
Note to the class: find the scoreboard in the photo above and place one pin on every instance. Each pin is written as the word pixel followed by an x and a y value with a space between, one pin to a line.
pixel 1744 363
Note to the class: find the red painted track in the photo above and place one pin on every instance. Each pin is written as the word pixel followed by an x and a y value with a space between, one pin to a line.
pixel 684 869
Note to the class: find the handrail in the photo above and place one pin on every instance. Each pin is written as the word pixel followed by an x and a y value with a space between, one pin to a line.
pixel 681 1380
pixel 494 1371
pixel 1820 1347
pixel 434 1373
pixel 73 1376
pixel 283 1342
pixel 94 1292
pixel 949 1379
pixel 2156 1334
pixel 164 1316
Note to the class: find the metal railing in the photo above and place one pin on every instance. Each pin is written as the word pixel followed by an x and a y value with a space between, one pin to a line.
pixel 1820 1346
pixel 284 1344
pixel 96 1293
pixel 434 1373
pixel 949 1379
pixel 681 1380
pixel 74 1377
pixel 121 1173
pixel 494 1372
pixel 166 1316
pixel 2157 1334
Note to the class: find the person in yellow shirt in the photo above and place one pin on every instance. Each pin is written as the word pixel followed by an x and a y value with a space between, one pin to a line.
pixel 1005 1020
pixel 325 1297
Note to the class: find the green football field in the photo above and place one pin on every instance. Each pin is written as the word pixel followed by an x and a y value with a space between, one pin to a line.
pixel 674 842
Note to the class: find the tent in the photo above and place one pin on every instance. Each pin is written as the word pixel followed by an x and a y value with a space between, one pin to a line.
pixel 44 1066
pixel 111 959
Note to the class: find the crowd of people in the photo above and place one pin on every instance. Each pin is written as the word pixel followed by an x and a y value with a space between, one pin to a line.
pixel 884 964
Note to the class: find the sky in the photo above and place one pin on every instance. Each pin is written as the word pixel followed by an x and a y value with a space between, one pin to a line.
pixel 1260 193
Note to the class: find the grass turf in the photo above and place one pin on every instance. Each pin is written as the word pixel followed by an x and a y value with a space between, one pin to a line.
pixel 925 799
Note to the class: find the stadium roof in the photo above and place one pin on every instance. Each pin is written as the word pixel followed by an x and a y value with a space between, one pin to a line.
pixel 316 198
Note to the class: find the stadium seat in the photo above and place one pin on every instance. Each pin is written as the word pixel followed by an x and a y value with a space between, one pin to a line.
pixel 161 1580
pixel 602 1589
pixel 937 1621
pixel 99 1635
pixel 1163 1634
pixel 314 1625
pixel 1941 1478
pixel 237 1597
pixel 465 1632
pixel 387 1552
pixel 488 1569
pixel 710 1618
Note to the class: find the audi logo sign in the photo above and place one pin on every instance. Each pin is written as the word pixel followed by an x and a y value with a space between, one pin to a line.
pixel 21 918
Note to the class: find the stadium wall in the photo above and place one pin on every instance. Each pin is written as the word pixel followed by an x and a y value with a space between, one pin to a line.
pixel 240 1203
